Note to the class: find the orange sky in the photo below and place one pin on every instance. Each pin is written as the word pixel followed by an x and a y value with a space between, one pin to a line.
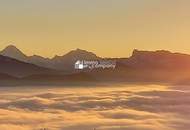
pixel 110 28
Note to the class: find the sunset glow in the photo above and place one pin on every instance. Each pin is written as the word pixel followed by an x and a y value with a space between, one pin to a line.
pixel 51 28
pixel 94 65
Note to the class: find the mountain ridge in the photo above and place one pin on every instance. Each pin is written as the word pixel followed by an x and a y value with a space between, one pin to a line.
pixel 141 66
pixel 64 62
pixel 18 68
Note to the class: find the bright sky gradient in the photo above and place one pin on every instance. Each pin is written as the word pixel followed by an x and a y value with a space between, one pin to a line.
pixel 110 28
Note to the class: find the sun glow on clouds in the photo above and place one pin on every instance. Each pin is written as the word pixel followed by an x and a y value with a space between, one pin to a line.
pixel 118 108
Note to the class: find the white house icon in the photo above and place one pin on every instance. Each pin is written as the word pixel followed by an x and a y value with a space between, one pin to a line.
pixel 79 65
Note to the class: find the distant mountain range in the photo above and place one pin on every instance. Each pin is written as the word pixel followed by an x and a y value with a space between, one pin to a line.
pixel 65 62
pixel 143 66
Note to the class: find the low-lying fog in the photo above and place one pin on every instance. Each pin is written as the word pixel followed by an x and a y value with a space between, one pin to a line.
pixel 130 107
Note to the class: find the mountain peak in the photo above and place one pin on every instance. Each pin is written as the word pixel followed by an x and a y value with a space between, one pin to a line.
pixel 13 52
pixel 137 52
pixel 79 50
pixel 79 53
pixel 11 47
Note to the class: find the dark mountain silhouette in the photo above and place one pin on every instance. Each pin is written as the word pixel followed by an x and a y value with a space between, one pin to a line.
pixel 6 77
pixel 65 62
pixel 18 68
pixel 143 66
pixel 161 59
pixel 147 66
pixel 13 52
pixel 39 60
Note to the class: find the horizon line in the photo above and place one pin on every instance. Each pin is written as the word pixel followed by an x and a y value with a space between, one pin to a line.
pixel 55 55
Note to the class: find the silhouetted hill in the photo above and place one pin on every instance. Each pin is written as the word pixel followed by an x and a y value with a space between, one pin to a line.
pixel 143 66
pixel 39 60
pixel 65 62
pixel 6 77
pixel 13 52
pixel 161 59
pixel 147 66
pixel 19 69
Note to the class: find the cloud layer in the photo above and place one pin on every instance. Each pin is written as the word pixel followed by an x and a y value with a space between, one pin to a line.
pixel 118 108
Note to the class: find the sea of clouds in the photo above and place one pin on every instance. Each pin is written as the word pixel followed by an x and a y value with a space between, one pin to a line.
pixel 150 107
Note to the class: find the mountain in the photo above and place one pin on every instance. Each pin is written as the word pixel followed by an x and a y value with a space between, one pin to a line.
pixel 65 62
pixel 141 66
pixel 147 66
pixel 18 68
pixel 6 77
pixel 39 60
pixel 13 52
pixel 158 60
